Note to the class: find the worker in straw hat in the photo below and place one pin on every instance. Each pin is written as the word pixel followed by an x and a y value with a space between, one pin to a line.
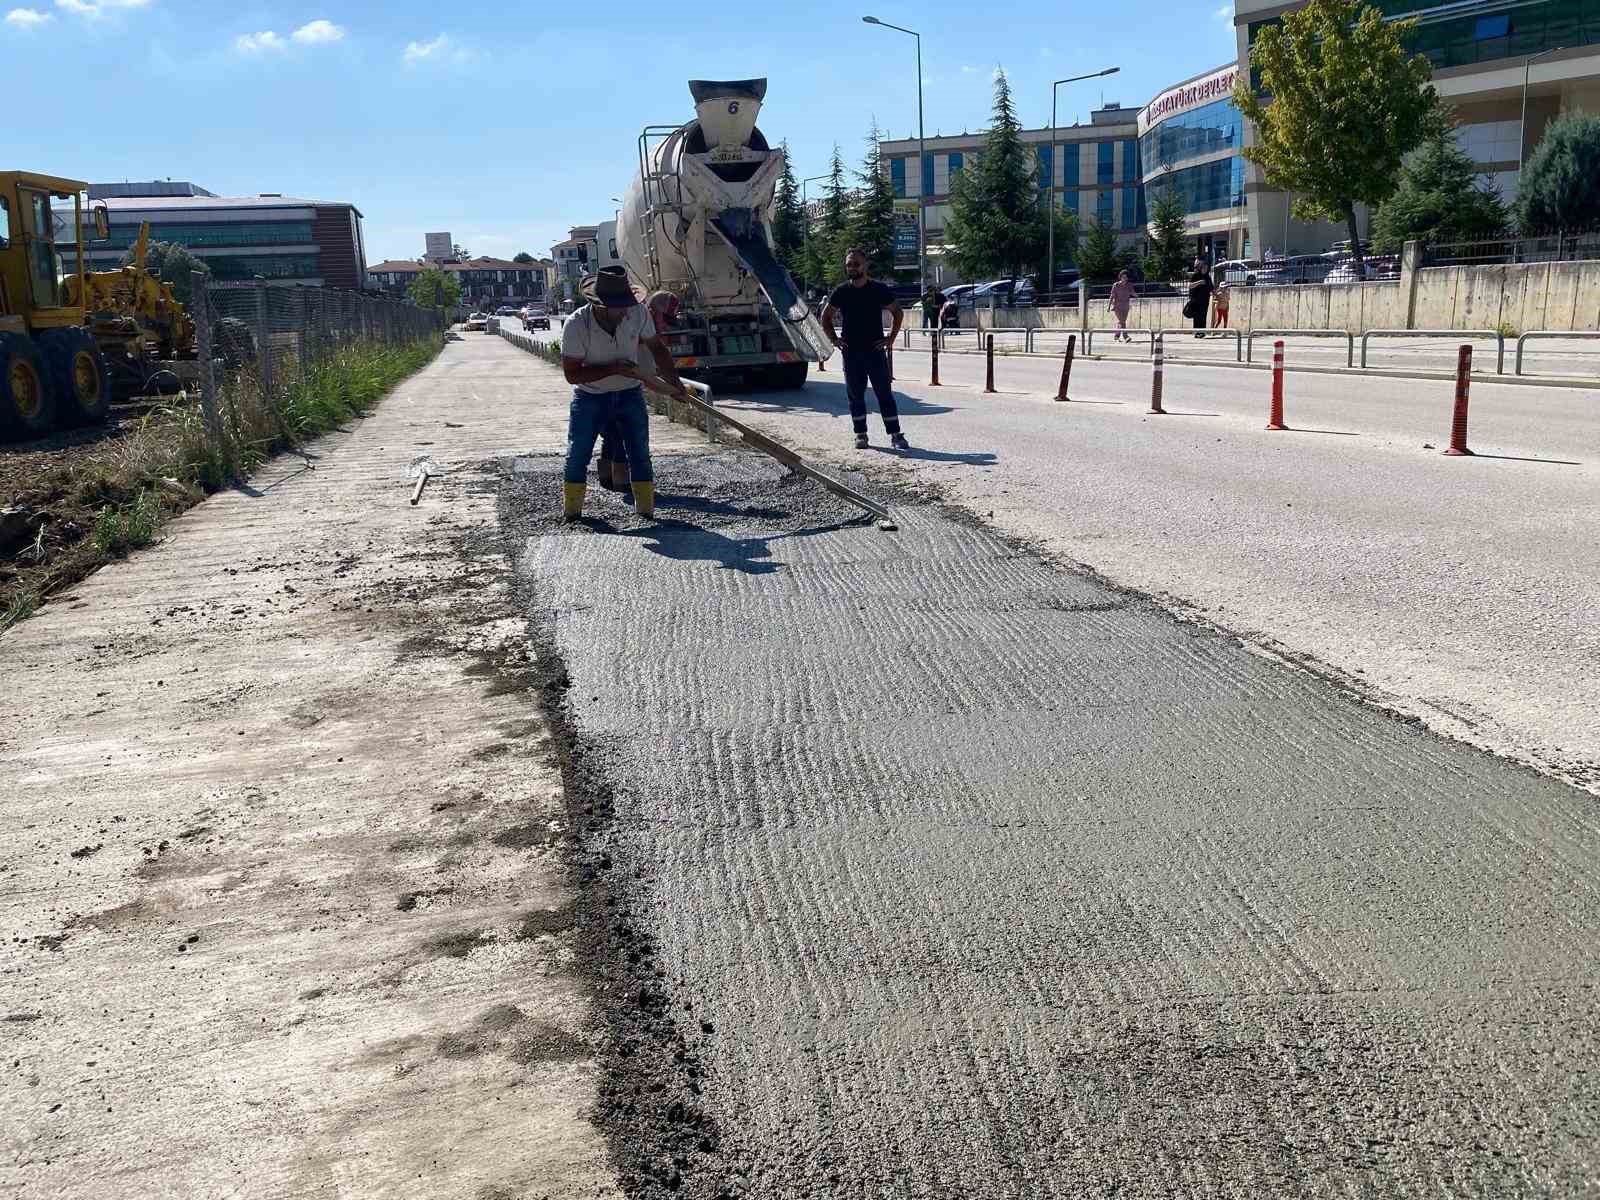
pixel 614 477
pixel 600 358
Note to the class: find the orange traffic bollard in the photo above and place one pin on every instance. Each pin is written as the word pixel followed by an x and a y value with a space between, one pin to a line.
pixel 1458 420
pixel 1275 420
pixel 1066 366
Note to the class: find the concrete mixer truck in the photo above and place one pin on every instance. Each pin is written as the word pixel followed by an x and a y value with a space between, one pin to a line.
pixel 697 221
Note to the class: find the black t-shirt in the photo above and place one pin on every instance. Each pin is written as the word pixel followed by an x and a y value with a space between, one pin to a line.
pixel 862 308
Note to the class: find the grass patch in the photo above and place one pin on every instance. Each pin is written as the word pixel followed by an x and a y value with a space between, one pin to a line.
pixel 114 497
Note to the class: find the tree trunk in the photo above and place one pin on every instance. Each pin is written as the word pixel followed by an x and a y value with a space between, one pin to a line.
pixel 1355 239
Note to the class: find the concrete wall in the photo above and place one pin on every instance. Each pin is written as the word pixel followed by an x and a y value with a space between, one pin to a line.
pixel 1523 295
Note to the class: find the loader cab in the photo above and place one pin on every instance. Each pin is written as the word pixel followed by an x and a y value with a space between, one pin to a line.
pixel 39 214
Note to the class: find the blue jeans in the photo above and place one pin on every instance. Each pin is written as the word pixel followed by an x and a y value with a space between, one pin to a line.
pixel 590 414
pixel 860 366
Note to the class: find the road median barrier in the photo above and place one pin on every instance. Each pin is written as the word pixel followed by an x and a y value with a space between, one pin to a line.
pixel 1458 419
pixel 1547 335
pixel 1275 416
pixel 1349 338
pixel 1481 334
pixel 1066 367
pixel 1157 355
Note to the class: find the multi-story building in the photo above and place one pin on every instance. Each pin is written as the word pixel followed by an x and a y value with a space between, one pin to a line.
pixel 484 282
pixel 574 258
pixel 277 238
pixel 1190 137
pixel 1479 49
pixel 1095 167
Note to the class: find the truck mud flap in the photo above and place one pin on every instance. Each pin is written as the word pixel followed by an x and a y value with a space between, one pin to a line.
pixel 750 244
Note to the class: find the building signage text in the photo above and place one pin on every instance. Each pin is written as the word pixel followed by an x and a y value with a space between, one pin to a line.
pixel 1216 86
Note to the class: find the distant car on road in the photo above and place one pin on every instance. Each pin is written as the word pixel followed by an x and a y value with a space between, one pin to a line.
pixel 478 321
pixel 535 318
pixel 1238 272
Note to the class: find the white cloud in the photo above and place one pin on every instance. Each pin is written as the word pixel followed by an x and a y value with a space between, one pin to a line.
pixel 1224 14
pixel 970 70
pixel 318 32
pixel 94 9
pixel 259 43
pixel 26 18
pixel 442 49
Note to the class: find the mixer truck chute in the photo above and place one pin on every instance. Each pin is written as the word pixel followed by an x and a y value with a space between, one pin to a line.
pixel 697 221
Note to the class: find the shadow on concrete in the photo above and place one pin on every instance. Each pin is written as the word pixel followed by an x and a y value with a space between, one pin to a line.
pixel 699 504
pixel 827 396
pixel 1329 432
pixel 1554 462
pixel 686 542
pixel 976 458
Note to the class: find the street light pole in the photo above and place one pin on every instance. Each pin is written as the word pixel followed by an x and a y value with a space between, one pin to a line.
pixel 1050 219
pixel 922 161
pixel 1522 124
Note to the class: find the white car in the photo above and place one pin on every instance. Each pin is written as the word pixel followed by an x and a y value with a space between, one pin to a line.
pixel 478 321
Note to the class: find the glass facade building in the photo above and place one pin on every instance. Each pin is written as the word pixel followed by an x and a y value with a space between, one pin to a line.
pixel 1190 138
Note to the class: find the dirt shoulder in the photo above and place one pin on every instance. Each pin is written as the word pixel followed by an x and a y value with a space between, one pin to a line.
pixel 282 893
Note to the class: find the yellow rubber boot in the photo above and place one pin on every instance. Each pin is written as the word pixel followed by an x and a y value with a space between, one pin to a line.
pixel 644 498
pixel 572 500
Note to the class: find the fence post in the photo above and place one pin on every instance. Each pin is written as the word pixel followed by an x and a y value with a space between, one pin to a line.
pixel 1157 354
pixel 264 346
pixel 988 379
pixel 1458 419
pixel 1275 419
pixel 1066 366
pixel 200 303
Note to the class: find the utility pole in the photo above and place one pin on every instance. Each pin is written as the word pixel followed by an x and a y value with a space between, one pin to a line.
pixel 1050 256
pixel 923 172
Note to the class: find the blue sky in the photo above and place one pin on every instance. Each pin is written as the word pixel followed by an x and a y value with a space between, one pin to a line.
pixel 507 122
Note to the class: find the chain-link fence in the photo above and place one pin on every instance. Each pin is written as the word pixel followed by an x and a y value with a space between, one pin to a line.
pixel 276 363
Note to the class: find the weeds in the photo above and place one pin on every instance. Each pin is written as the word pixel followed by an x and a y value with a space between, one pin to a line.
pixel 20 608
pixel 118 530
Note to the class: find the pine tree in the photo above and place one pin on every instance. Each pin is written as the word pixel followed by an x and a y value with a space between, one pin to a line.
pixel 872 212
pixel 789 220
pixel 1097 251
pixel 1441 198
pixel 996 223
pixel 1168 255
pixel 828 238
pixel 1559 191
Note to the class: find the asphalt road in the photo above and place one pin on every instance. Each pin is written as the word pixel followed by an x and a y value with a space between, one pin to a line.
pixel 958 873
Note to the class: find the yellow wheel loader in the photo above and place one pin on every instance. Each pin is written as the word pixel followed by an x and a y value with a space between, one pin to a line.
pixel 135 318
pixel 52 371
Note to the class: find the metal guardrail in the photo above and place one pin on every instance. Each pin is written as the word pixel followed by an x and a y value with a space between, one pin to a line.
pixel 1480 334
pixel 1181 330
pixel 1349 339
pixel 1549 334
pixel 1088 336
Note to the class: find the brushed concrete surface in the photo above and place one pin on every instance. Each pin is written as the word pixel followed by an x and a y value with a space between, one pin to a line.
pixel 1462 591
pixel 962 874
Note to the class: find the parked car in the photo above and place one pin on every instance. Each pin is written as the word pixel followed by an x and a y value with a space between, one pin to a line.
pixel 477 321
pixel 492 325
pixel 1237 272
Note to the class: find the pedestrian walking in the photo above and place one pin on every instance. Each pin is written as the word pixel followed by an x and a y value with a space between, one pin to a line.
pixel 932 303
pixel 1199 303
pixel 600 358
pixel 662 308
pixel 1120 304
pixel 862 301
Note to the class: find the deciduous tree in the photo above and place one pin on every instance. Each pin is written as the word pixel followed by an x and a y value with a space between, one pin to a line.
pixel 171 262
pixel 1342 104
pixel 522 256
pixel 433 288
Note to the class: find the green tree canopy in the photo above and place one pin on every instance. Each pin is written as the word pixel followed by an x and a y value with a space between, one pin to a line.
pixel 1169 239
pixel 1560 187
pixel 789 220
pixel 828 238
pixel 1441 198
pixel 872 212
pixel 522 256
pixel 1343 104
pixel 433 288
pixel 997 224
pixel 171 262
pixel 1097 252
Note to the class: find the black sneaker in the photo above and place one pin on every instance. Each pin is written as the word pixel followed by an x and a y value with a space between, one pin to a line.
pixel 861 441
pixel 898 441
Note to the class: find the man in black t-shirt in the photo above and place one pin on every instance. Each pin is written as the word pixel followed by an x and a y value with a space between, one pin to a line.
pixel 863 347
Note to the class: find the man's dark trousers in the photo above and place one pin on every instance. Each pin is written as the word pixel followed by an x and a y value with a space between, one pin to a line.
pixel 860 366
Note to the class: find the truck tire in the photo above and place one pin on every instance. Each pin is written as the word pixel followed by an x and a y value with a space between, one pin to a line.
pixel 787 377
pixel 80 377
pixel 27 406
